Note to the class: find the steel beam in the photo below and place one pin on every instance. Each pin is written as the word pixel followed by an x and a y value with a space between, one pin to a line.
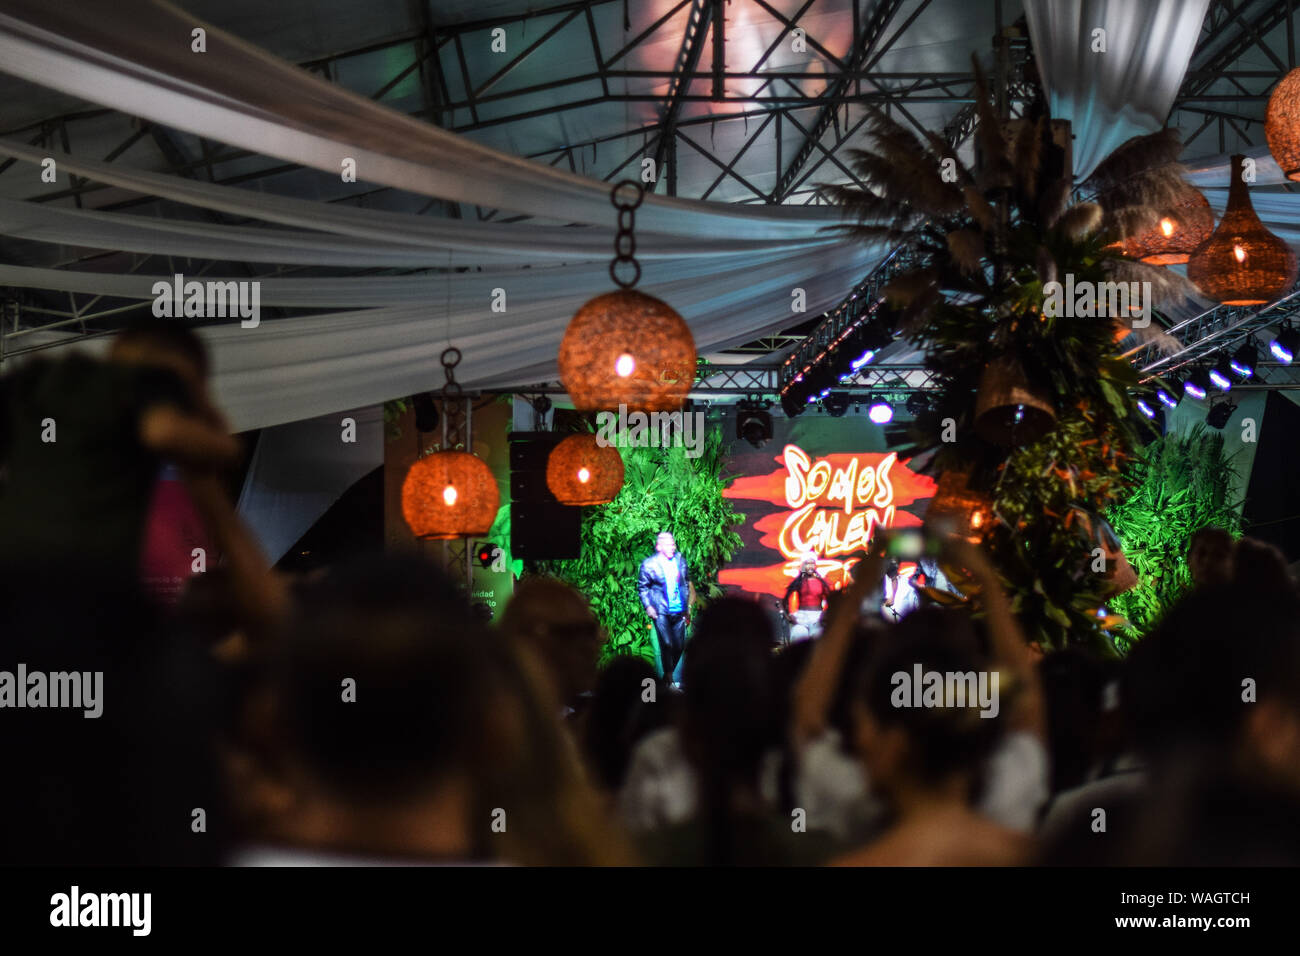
pixel 871 32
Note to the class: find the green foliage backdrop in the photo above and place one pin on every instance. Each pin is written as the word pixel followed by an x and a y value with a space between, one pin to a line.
pixel 1182 483
pixel 663 488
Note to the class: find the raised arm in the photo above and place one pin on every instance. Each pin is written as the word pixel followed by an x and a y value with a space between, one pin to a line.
pixel 816 688
pixel 262 595
pixel 1007 641
pixel 186 438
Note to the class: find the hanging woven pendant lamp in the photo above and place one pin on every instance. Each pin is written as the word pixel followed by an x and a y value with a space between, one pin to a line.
pixel 1242 263
pixel 581 471
pixel 1009 410
pixel 625 347
pixel 1175 237
pixel 1282 124
pixel 450 494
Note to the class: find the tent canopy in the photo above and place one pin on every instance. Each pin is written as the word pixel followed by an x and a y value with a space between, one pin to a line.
pixel 485 137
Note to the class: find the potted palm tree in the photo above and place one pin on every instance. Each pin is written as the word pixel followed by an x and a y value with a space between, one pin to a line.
pixel 1035 407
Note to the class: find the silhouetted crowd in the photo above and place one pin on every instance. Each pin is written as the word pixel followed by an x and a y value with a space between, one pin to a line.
pixel 366 714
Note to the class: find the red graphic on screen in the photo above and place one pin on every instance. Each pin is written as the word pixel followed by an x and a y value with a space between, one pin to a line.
pixel 830 505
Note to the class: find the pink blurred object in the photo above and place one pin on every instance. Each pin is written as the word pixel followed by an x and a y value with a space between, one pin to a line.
pixel 173 530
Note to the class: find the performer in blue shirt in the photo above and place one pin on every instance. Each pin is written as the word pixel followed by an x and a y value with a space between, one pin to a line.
pixel 664 585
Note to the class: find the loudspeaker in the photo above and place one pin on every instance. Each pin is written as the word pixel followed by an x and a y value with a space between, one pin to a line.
pixel 540 527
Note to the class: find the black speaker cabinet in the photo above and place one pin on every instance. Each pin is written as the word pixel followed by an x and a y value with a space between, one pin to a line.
pixel 540 527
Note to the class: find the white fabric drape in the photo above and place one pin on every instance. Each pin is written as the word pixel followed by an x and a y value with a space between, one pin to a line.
pixel 729 270
pixel 1127 90
pixel 290 369
pixel 1211 172
pixel 134 56
pixel 173 237
pixel 473 242
pixel 298 471
pixel 296 368
pixel 177 237
pixel 458 290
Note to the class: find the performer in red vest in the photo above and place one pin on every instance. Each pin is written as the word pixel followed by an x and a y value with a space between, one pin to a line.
pixel 811 593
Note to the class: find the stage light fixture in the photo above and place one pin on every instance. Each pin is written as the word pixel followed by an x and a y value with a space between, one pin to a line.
pixel 837 403
pixel 881 412
pixel 918 403
pixel 1285 345
pixel 1198 384
pixel 1154 412
pixel 1221 374
pixel 1245 359
pixel 1171 396
pixel 1218 415
pixel 753 423
pixel 865 342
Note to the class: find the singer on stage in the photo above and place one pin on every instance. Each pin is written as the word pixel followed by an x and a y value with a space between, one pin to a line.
pixel 811 593
pixel 664 585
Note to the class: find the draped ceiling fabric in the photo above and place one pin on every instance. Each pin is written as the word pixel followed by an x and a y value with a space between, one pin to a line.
pixel 296 368
pixel 1211 172
pixel 127 55
pixel 472 242
pixel 1129 89
pixel 730 270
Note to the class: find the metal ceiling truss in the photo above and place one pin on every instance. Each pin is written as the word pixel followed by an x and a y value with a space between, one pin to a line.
pixel 1224 329
pixel 859 305
pixel 1245 24
pixel 442 56
pixel 762 380
pixel 1221 329
pixel 705 14
pixel 704 19
pixel 862 305
pixel 866 37
pixel 716 380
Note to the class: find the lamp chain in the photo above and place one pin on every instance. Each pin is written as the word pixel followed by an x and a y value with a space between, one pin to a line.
pixel 453 407
pixel 625 237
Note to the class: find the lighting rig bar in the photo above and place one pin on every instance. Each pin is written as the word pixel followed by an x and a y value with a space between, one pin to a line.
pixel 862 305
pixel 1212 331
pixel 721 381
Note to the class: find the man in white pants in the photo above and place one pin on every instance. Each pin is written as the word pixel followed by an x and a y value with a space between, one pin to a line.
pixel 811 592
